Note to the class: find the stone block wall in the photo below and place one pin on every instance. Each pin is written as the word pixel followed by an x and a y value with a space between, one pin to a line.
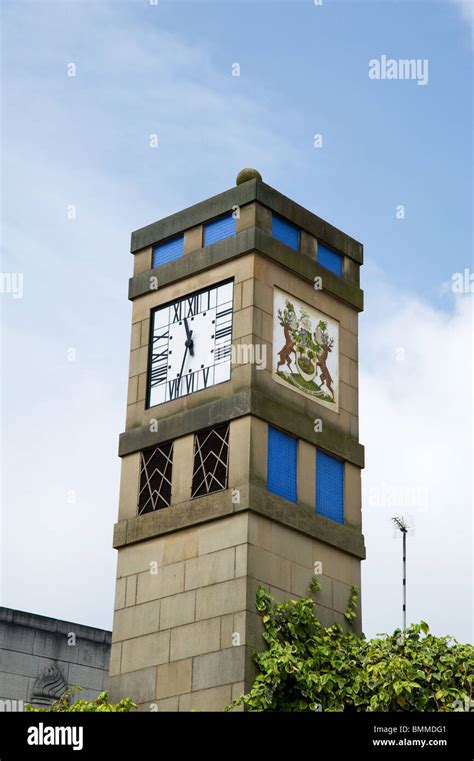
pixel 179 633
pixel 40 657
pixel 185 622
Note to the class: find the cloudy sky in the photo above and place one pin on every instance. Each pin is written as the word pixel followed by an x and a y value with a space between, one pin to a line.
pixel 80 146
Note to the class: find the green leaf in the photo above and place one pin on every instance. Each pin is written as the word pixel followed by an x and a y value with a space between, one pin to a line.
pixel 306 664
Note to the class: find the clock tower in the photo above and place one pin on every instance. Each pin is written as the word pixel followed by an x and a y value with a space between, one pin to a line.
pixel 241 459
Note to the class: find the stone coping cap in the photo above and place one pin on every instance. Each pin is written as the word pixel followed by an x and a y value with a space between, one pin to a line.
pixel 252 190
pixel 46 623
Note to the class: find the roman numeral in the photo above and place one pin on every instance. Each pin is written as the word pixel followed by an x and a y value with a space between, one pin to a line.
pixel 190 382
pixel 223 332
pixel 177 311
pixel 223 352
pixel 159 359
pixel 193 305
pixel 224 313
pixel 158 374
pixel 161 337
pixel 174 387
pixel 160 355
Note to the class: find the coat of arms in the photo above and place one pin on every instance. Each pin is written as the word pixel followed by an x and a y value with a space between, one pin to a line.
pixel 305 350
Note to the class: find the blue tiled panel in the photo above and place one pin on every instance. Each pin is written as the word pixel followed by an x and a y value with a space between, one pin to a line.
pixel 329 259
pixel 329 487
pixel 219 229
pixel 286 232
pixel 281 465
pixel 169 250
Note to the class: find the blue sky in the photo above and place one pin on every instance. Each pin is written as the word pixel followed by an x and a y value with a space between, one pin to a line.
pixel 84 141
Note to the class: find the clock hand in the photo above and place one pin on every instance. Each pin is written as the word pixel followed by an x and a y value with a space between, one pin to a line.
pixel 189 342
pixel 184 360
pixel 186 326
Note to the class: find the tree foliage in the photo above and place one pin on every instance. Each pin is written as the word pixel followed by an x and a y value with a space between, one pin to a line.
pixel 307 667
pixel 101 704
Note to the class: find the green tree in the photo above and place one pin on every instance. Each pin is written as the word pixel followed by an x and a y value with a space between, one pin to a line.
pixel 101 704
pixel 307 667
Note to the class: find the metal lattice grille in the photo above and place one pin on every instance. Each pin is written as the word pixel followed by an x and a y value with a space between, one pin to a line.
pixel 155 478
pixel 211 454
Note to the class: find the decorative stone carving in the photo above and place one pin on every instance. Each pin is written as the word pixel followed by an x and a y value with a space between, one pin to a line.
pixel 49 686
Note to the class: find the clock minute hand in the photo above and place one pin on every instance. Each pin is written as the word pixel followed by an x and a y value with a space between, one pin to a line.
pixel 184 360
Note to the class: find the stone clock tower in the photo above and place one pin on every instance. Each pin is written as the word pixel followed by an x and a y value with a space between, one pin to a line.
pixel 241 459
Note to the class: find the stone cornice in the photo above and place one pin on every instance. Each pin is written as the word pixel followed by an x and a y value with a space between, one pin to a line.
pixel 253 190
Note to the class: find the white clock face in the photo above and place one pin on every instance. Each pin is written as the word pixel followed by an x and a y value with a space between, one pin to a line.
pixel 191 344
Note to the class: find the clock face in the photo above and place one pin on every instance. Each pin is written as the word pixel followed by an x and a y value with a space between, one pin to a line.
pixel 191 344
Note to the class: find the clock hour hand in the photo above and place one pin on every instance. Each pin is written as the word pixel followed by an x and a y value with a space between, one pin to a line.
pixel 189 341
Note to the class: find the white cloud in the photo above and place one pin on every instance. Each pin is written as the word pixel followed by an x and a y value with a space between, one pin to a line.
pixel 416 425
pixel 62 420
pixel 84 141
pixel 467 11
